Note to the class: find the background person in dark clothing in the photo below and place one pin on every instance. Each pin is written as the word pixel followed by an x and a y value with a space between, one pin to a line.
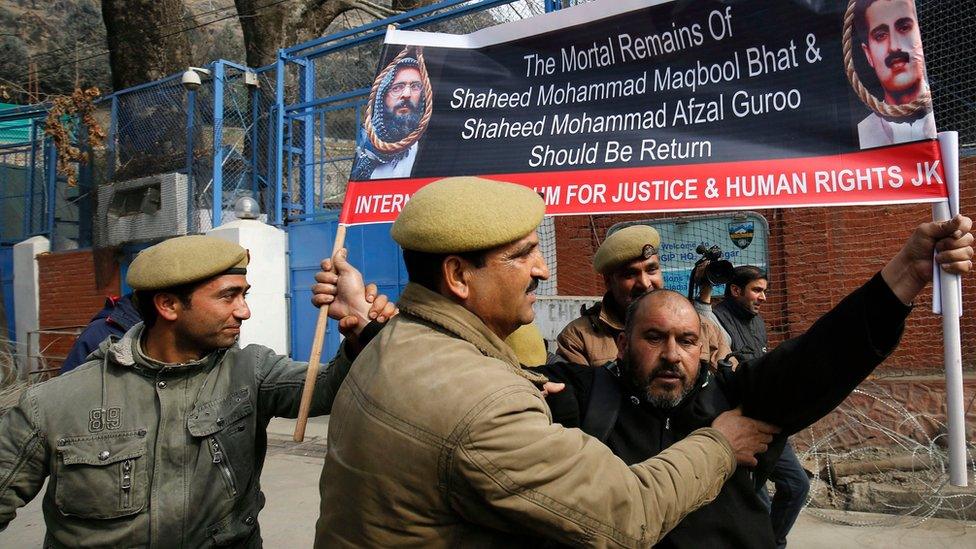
pixel 659 390
pixel 738 313
pixel 115 318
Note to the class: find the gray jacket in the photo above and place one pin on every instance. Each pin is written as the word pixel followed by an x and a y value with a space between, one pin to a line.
pixel 141 453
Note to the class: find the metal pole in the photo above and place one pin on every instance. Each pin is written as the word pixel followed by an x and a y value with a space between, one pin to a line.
pixel 113 126
pixel 949 285
pixel 269 168
pixel 191 187
pixel 218 143
pixel 280 137
pixel 51 187
pixel 31 174
pixel 308 141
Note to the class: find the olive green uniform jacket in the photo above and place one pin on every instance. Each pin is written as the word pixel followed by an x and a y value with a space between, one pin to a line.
pixel 439 439
pixel 141 453
pixel 592 338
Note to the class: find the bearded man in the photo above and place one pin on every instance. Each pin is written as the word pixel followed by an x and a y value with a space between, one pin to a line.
pixel 660 389
pixel 630 264
pixel 439 437
pixel 397 109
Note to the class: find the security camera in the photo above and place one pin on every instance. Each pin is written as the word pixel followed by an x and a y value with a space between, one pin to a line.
pixel 191 78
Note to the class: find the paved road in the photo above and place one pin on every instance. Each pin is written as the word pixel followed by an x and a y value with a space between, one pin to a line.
pixel 291 476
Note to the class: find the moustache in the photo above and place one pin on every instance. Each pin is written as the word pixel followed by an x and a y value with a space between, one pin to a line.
pixel 405 103
pixel 897 57
pixel 671 369
pixel 532 286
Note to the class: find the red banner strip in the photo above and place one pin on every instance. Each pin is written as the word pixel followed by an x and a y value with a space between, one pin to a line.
pixel 891 175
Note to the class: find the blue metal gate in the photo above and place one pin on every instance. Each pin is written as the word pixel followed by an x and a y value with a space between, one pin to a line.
pixel 371 250
pixel 7 284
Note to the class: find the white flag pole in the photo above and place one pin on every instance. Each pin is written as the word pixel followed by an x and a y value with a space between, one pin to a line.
pixel 949 294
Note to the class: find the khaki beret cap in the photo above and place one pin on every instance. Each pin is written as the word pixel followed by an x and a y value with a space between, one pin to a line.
pixel 464 214
pixel 183 260
pixel 528 345
pixel 626 245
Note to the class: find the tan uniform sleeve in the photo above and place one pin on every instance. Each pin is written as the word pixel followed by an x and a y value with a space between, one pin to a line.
pixel 516 471
pixel 713 343
pixel 570 344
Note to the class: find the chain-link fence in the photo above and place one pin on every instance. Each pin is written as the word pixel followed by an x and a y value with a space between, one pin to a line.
pixel 23 194
pixel 949 36
pixel 220 134
pixel 34 200
pixel 237 135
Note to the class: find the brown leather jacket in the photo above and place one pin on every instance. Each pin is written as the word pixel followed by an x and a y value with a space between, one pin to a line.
pixel 592 338
pixel 438 438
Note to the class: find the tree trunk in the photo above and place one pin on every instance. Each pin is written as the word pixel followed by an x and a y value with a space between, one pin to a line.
pixel 407 5
pixel 143 41
pixel 266 30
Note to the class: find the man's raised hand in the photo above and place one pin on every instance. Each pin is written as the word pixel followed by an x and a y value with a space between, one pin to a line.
pixel 911 269
pixel 353 303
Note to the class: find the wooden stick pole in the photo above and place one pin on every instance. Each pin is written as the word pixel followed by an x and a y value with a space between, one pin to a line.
pixel 316 356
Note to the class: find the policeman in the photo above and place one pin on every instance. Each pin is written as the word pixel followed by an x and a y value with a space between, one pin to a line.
pixel 630 264
pixel 440 438
pixel 159 439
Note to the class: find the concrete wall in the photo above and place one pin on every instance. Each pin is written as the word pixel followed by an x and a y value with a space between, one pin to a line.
pixel 267 273
pixel 26 301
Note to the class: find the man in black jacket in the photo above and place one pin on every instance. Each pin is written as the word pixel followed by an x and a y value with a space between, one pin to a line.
pixel 659 390
pixel 739 315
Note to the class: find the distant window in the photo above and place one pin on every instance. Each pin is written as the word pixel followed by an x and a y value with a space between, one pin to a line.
pixel 141 200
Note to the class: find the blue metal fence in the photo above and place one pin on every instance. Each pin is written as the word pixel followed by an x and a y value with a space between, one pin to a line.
pixel 220 135
pixel 9 330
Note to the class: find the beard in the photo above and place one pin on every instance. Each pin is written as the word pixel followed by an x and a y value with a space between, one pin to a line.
pixel 398 125
pixel 661 400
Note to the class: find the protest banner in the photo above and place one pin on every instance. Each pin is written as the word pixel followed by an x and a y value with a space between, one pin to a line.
pixel 656 106
pixel 642 106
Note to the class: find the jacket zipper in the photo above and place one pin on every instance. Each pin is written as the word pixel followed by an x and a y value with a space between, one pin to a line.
pixel 220 460
pixel 665 434
pixel 126 483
